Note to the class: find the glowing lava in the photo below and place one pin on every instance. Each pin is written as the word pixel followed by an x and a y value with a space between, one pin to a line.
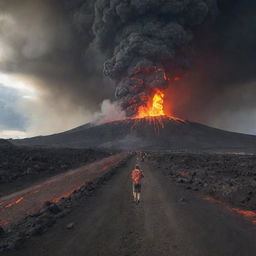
pixel 154 113
pixel 249 215
pixel 155 106
pixel 14 202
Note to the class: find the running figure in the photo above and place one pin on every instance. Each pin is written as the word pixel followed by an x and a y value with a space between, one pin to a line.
pixel 137 174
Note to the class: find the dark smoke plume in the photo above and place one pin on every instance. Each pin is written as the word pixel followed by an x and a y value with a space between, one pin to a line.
pixel 148 43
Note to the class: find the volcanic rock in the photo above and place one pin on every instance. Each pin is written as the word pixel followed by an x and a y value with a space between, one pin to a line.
pixel 5 143
pixel 54 208
pixel 218 175
pixel 2 232
pixel 22 166
pixel 150 134
pixel 70 225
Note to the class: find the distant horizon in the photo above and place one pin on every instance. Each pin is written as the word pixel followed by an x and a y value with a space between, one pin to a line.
pixel 63 65
pixel 93 122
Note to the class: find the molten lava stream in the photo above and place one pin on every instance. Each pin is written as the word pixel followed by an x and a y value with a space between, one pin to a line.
pixel 14 202
pixel 249 215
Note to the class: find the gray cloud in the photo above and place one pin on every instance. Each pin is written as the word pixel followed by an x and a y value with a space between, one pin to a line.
pixel 222 71
pixel 40 44
pixel 62 46
pixel 150 43
pixel 40 41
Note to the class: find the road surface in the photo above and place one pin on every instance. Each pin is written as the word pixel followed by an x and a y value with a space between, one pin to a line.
pixel 168 221
pixel 28 201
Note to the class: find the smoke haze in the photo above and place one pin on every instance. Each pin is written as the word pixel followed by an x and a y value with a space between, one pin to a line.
pixel 60 47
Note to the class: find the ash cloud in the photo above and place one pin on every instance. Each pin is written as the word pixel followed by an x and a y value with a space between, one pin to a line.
pixel 64 44
pixel 50 46
pixel 148 43
pixel 219 88
pixel 42 40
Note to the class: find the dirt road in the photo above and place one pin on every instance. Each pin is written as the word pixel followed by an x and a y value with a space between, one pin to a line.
pixel 168 221
pixel 17 205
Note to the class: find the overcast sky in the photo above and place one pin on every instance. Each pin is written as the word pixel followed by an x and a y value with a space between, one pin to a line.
pixel 51 73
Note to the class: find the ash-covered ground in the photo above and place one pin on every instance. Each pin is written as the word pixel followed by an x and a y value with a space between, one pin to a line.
pixel 227 177
pixel 23 166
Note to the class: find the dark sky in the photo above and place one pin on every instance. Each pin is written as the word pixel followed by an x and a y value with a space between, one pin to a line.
pixel 49 46
pixel 220 88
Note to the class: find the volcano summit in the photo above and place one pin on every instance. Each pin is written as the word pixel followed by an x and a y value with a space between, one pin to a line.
pixel 149 133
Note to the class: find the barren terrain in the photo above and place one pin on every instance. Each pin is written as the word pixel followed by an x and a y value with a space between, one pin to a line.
pixel 226 177
pixel 170 220
pixel 23 166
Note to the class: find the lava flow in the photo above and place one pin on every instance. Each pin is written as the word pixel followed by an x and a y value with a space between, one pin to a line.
pixel 14 202
pixel 249 215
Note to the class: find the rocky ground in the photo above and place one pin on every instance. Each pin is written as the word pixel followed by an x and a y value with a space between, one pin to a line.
pixel 20 166
pixel 169 220
pixel 38 223
pixel 227 177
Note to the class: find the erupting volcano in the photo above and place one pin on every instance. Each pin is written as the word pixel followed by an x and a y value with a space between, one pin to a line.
pixel 141 94
pixel 153 112
pixel 151 47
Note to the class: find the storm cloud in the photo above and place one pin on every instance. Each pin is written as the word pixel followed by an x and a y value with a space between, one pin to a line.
pixel 80 52
pixel 39 39
pixel 219 88
pixel 151 41
pixel 40 42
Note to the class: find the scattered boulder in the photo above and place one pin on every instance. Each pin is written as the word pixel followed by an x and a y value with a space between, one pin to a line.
pixel 41 221
pixel 70 225
pixel 54 208
pixel 2 232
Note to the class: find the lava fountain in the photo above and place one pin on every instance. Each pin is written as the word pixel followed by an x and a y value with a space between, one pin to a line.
pixel 153 112
pixel 154 107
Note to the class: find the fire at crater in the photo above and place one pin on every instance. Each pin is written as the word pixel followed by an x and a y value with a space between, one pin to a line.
pixel 154 107
pixel 139 92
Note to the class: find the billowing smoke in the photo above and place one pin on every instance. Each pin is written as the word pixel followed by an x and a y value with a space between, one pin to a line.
pixel 148 43
pixel 38 40
pixel 110 111
pixel 40 48
pixel 63 45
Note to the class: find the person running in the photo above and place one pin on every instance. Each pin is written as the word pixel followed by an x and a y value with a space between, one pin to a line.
pixel 137 174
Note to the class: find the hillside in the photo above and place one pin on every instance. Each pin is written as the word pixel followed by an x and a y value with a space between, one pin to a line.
pixel 148 134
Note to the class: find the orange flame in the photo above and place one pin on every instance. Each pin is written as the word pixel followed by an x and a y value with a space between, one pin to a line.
pixel 154 107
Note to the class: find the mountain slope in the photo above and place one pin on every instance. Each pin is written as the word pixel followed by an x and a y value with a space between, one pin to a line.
pixel 148 134
pixel 5 143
